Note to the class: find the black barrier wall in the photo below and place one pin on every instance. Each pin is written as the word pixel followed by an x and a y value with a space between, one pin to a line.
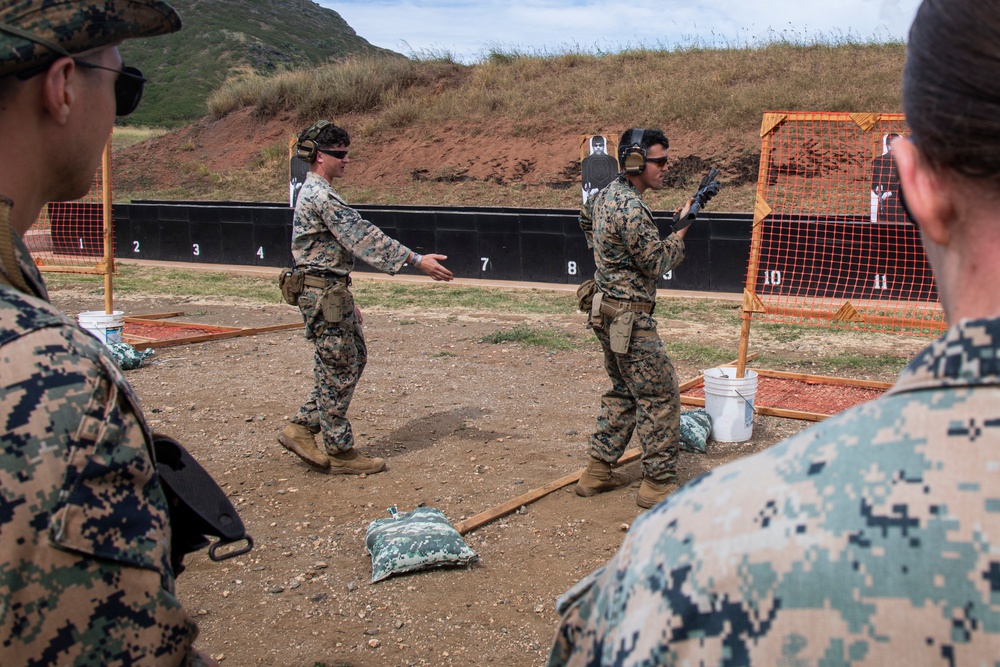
pixel 536 245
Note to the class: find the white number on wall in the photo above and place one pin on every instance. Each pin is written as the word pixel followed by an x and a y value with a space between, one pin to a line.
pixel 260 252
pixel 485 261
pixel 571 268
pixel 197 249
pixel 881 281
pixel 772 277
pixel 135 246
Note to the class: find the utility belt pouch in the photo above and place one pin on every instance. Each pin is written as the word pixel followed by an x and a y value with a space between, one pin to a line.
pixel 585 294
pixel 332 303
pixel 291 282
pixel 596 316
pixel 621 332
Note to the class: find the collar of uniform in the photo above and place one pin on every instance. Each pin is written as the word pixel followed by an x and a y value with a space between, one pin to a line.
pixel 968 354
pixel 328 185
pixel 10 268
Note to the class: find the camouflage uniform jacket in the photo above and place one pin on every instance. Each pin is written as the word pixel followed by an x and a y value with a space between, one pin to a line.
pixel 869 539
pixel 327 234
pixel 85 576
pixel 628 250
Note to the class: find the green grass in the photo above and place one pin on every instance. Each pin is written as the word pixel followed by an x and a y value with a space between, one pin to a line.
pixel 839 364
pixel 391 295
pixel 705 356
pixel 128 135
pixel 155 281
pixel 132 279
pixel 522 333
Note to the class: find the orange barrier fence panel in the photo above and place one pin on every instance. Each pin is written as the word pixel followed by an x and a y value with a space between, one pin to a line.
pixel 76 236
pixel 832 245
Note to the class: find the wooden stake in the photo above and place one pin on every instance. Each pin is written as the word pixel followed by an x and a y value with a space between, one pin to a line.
pixel 506 508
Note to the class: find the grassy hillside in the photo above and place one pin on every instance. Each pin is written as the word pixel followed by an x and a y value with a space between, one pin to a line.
pixel 505 132
pixel 223 37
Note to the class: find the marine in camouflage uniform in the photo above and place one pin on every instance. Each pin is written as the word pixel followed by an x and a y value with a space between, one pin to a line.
pixel 871 538
pixel 85 562
pixel 644 397
pixel 85 575
pixel 867 539
pixel 327 237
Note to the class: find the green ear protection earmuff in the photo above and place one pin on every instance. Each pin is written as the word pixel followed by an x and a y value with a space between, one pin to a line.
pixel 307 146
pixel 633 156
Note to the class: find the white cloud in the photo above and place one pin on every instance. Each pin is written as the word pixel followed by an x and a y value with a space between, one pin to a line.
pixel 467 30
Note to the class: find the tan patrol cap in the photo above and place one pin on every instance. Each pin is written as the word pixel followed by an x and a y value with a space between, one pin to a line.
pixel 33 32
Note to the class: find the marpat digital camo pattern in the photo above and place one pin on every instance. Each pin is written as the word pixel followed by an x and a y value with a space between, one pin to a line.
pixel 327 235
pixel 84 536
pixel 339 360
pixel 696 427
pixel 869 539
pixel 413 541
pixel 76 27
pixel 644 396
pixel 629 252
pixel 644 399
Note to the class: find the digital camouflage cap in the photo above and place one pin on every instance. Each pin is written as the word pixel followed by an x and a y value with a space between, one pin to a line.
pixel 35 31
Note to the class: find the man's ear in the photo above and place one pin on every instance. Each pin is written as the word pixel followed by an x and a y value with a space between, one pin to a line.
pixel 60 89
pixel 928 197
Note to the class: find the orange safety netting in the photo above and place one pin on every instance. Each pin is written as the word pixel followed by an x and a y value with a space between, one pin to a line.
pixel 69 237
pixel 813 395
pixel 832 245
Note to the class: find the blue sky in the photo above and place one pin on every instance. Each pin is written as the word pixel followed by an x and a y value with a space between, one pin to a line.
pixel 468 30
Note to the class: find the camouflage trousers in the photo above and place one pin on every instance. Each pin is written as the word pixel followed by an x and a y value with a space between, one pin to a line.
pixel 338 362
pixel 643 399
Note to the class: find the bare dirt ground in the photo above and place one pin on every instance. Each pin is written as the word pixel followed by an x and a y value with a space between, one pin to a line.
pixel 465 425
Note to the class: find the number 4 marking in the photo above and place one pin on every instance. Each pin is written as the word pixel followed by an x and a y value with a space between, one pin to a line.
pixel 260 252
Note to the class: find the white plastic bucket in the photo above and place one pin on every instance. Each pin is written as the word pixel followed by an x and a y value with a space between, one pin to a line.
pixel 729 402
pixel 107 328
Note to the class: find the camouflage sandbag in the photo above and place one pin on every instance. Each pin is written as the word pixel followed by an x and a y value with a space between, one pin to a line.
pixel 128 357
pixel 696 426
pixel 415 540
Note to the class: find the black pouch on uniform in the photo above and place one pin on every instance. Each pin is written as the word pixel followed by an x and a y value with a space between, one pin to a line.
pixel 291 282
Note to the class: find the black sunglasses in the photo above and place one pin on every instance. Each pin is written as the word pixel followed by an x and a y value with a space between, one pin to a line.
pixel 340 155
pixel 128 85
pixel 658 161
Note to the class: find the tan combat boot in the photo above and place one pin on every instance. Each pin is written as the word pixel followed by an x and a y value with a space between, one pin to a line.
pixel 651 493
pixel 598 478
pixel 301 441
pixel 352 463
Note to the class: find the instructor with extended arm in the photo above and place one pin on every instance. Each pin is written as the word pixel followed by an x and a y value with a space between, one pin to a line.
pixel 327 236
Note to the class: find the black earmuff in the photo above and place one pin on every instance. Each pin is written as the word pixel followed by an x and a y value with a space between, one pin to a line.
pixel 306 148
pixel 633 156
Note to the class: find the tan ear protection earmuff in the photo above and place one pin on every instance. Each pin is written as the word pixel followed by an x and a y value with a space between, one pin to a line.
pixel 307 147
pixel 633 156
